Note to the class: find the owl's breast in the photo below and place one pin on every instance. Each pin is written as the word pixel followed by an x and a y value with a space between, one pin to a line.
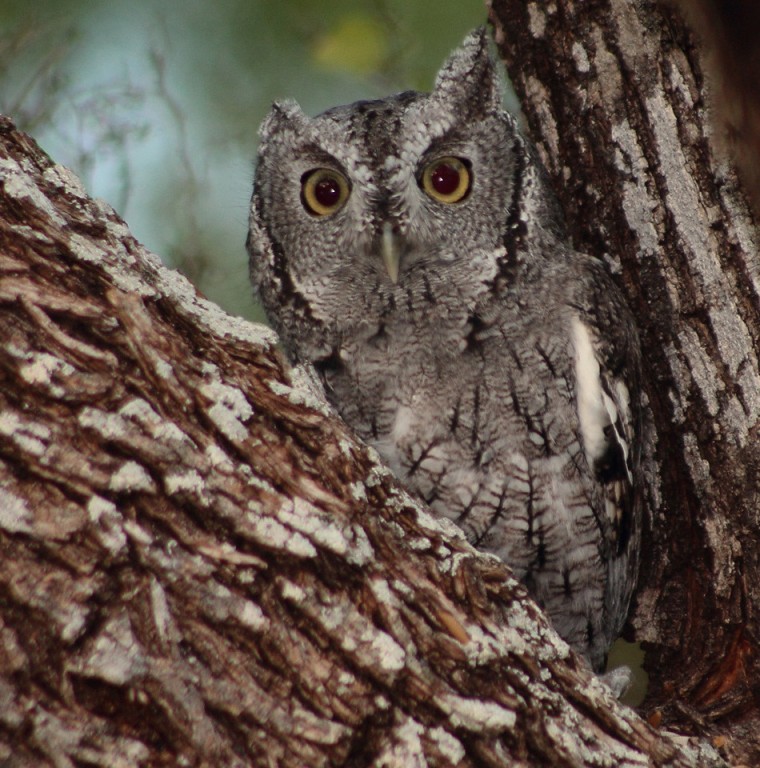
pixel 397 387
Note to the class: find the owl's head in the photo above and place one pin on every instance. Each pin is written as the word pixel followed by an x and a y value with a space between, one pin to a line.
pixel 387 206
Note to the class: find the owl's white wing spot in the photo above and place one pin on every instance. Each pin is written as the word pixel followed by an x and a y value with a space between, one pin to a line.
pixel 601 419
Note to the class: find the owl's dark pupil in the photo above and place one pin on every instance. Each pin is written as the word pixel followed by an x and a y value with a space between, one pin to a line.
pixel 444 179
pixel 327 192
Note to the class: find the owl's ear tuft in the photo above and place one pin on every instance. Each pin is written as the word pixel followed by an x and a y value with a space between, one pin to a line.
pixel 469 77
pixel 284 115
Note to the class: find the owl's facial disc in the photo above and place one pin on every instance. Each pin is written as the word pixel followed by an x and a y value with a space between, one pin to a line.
pixel 447 181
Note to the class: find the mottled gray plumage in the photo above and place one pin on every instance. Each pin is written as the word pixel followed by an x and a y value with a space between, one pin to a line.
pixel 492 366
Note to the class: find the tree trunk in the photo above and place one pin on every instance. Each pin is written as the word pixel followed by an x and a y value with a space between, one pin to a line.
pixel 200 566
pixel 615 95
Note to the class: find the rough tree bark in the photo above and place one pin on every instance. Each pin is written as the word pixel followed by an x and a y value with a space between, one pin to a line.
pixel 615 94
pixel 199 566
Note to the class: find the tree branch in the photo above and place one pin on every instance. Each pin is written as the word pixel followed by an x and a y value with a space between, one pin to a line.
pixel 201 566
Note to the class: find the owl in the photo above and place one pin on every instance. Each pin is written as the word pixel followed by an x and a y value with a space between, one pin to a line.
pixel 411 250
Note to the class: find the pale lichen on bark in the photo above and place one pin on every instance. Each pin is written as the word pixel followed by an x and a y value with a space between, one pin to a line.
pixel 650 189
pixel 202 566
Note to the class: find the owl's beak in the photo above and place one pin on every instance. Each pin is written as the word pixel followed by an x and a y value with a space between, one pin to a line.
pixel 391 252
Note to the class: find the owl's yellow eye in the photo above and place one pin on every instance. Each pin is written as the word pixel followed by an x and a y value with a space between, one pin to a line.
pixel 324 191
pixel 447 179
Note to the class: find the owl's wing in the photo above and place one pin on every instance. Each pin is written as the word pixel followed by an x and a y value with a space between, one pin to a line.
pixel 606 373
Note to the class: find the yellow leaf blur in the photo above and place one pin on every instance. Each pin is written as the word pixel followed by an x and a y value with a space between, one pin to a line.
pixel 358 44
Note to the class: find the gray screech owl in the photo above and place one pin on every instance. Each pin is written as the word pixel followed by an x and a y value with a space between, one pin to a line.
pixel 410 248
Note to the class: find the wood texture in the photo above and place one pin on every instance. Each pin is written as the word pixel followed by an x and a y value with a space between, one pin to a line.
pixel 199 566
pixel 615 95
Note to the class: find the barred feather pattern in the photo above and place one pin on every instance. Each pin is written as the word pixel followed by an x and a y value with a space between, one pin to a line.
pixel 494 368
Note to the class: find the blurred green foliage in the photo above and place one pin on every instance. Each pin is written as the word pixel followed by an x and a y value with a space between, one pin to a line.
pixel 156 104
pixel 359 44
